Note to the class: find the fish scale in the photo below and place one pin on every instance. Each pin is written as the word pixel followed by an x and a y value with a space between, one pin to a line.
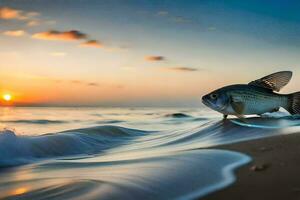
pixel 257 102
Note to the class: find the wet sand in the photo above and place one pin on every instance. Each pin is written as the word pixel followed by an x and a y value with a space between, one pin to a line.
pixel 273 174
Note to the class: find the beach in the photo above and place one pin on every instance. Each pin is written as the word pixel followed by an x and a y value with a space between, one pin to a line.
pixel 273 174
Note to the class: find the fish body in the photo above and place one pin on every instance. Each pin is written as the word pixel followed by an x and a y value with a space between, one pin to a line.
pixel 257 97
pixel 255 100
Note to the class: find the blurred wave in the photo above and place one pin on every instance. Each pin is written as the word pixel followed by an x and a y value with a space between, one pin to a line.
pixel 114 162
pixel 109 121
pixel 178 115
pixel 16 150
pixel 35 121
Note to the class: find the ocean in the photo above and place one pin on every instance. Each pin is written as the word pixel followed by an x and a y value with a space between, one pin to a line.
pixel 124 153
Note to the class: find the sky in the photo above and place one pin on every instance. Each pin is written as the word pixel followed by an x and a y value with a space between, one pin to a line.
pixel 141 52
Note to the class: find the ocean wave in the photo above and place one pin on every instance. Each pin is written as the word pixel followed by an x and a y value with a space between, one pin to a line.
pixel 184 117
pixel 90 141
pixel 184 175
pixel 112 162
pixel 109 121
pixel 35 121
pixel 16 150
pixel 178 115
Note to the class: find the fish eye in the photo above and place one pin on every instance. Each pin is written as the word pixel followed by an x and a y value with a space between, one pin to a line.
pixel 213 96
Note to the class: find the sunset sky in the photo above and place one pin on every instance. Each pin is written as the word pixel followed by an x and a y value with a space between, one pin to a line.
pixel 143 52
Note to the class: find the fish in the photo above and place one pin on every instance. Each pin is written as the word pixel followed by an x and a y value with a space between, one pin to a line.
pixel 255 98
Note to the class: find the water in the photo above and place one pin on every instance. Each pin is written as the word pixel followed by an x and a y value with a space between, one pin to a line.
pixel 123 153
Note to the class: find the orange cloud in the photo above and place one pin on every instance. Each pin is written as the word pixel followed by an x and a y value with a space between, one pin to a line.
pixel 154 58
pixel 93 84
pixel 77 81
pixel 85 83
pixel 15 33
pixel 10 13
pixel 91 43
pixel 183 69
pixel 58 35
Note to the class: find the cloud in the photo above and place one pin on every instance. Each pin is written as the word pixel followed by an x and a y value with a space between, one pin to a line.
pixel 84 83
pixel 33 23
pixel 76 81
pixel 71 35
pixel 93 84
pixel 31 18
pixel 91 43
pixel 182 69
pixel 154 58
pixel 15 33
pixel 10 13
pixel 120 48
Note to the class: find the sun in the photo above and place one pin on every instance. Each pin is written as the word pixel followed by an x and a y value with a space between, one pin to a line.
pixel 7 97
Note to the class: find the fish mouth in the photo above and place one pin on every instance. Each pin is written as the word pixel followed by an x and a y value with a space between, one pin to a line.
pixel 209 104
pixel 212 106
pixel 206 102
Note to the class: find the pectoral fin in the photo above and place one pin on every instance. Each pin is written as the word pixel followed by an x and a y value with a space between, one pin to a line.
pixel 238 107
pixel 274 81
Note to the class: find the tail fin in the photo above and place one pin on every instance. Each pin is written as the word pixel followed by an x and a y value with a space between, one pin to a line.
pixel 294 103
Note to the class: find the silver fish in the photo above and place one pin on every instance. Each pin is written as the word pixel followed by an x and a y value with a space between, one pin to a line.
pixel 256 97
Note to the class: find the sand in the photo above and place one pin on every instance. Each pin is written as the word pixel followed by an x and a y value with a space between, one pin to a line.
pixel 273 174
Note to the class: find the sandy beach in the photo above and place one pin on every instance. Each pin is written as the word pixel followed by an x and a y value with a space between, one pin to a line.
pixel 273 174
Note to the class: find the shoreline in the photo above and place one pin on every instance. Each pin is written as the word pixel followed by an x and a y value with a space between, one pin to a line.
pixel 273 172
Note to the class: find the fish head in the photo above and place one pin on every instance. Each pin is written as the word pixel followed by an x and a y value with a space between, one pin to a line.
pixel 217 100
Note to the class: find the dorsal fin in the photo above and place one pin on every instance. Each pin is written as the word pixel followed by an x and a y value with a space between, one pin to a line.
pixel 274 81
